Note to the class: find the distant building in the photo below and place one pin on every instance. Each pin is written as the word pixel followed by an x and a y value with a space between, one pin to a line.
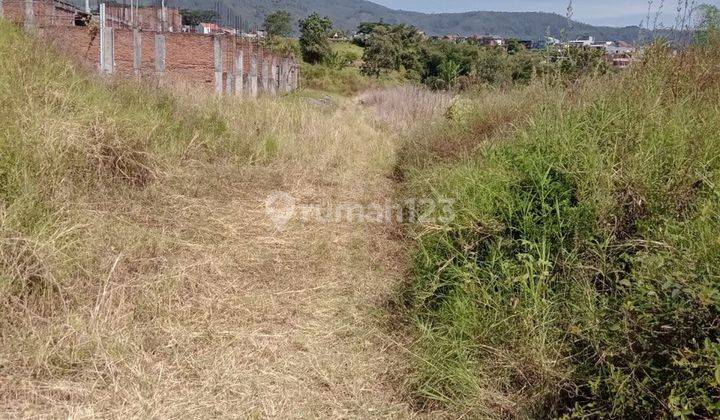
pixel 489 40
pixel 208 28
pixel 583 42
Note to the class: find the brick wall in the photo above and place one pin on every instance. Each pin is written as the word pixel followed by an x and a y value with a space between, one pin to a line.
pixel 189 56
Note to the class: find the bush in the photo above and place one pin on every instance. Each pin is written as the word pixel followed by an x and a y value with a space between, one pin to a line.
pixel 580 277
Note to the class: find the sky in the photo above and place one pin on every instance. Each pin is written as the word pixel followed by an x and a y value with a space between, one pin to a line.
pixel 596 12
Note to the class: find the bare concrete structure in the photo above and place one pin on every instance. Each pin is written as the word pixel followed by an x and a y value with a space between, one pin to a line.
pixel 238 72
pixel 253 79
pixel 160 56
pixel 217 49
pixel 29 14
pixel 137 53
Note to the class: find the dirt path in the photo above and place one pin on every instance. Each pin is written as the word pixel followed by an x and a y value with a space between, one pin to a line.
pixel 291 325
pixel 207 309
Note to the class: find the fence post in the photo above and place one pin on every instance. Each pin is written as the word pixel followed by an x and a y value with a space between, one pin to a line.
pixel 29 15
pixel 102 37
pixel 239 63
pixel 253 82
pixel 160 55
pixel 108 51
pixel 217 49
pixel 137 52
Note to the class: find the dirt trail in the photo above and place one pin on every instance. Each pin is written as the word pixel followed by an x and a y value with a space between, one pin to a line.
pixel 295 325
pixel 207 309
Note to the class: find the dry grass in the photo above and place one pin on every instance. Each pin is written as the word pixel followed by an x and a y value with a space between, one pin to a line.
pixel 141 276
pixel 404 107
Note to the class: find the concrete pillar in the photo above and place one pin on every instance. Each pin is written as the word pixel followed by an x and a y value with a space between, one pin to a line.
pixel 265 76
pixel 217 48
pixel 229 83
pixel 160 55
pixel 102 37
pixel 284 75
pixel 296 77
pixel 137 52
pixel 272 88
pixel 29 21
pixel 239 69
pixel 107 51
pixel 253 79
pixel 2 10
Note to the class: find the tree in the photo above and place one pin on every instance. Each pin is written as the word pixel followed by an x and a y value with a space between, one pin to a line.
pixel 278 24
pixel 449 73
pixel 393 48
pixel 314 43
pixel 196 17
pixel 708 25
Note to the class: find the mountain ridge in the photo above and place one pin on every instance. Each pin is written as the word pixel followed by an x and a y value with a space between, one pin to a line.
pixel 347 14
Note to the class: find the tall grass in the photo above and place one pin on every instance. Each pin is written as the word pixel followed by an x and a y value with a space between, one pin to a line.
pixel 113 199
pixel 580 277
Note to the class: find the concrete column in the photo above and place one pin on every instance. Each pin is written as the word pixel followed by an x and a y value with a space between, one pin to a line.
pixel 296 77
pixel 102 37
pixel 229 83
pixel 239 69
pixel 160 55
pixel 284 75
pixel 253 80
pixel 29 22
pixel 137 52
pixel 265 76
pixel 273 76
pixel 2 10
pixel 108 51
pixel 217 47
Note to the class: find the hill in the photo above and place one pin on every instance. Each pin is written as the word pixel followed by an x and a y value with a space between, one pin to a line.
pixel 347 14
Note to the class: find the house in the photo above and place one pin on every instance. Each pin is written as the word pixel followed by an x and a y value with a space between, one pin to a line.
pixel 208 28
pixel 583 42
pixel 489 40
pixel 620 47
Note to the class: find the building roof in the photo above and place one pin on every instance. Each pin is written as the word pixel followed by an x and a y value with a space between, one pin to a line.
pixel 211 26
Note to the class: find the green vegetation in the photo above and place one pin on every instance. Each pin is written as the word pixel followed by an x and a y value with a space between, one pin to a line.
pixel 196 17
pixel 314 43
pixel 278 24
pixel 444 65
pixel 709 24
pixel 581 277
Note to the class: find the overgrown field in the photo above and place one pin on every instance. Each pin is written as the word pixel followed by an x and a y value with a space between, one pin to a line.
pixel 581 276
pixel 139 273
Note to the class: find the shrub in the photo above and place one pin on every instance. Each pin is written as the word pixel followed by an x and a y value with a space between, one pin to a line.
pixel 580 277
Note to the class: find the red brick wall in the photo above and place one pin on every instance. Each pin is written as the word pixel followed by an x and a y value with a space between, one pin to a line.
pixel 44 12
pixel 189 57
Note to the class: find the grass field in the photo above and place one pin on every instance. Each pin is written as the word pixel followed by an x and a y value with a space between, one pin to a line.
pixel 580 277
pixel 140 275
